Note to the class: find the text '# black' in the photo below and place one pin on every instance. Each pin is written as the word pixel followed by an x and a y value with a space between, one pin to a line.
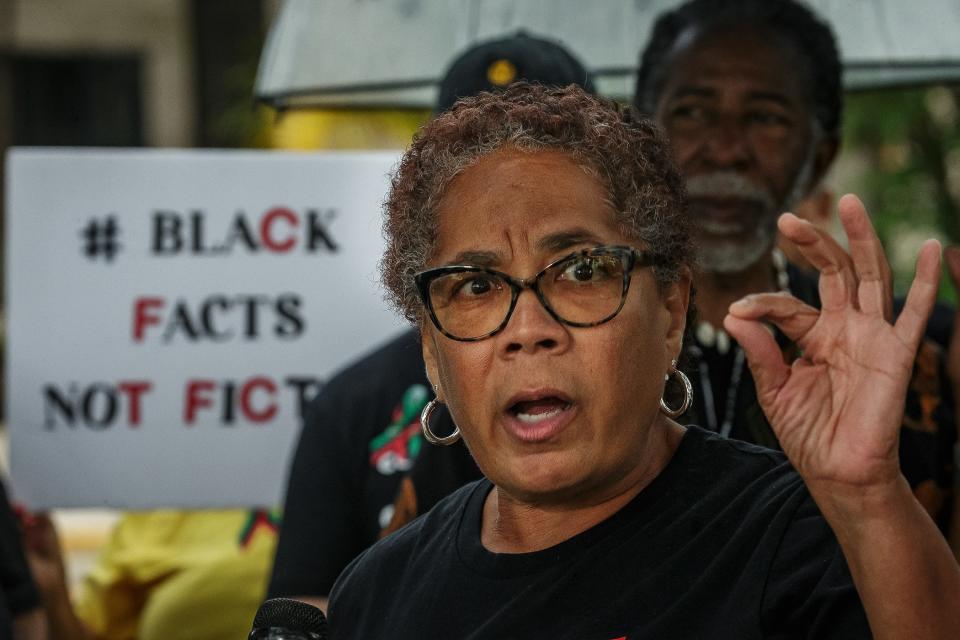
pixel 280 230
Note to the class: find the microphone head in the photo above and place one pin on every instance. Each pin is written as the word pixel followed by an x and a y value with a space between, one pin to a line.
pixel 292 615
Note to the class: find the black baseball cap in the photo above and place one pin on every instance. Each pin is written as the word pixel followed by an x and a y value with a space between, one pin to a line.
pixel 495 64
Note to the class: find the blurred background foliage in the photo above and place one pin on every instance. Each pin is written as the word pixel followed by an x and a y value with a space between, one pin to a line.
pixel 901 154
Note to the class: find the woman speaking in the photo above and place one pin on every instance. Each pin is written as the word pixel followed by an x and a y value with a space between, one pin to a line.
pixel 539 239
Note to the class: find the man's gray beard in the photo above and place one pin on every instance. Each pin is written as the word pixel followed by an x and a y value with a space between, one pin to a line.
pixel 735 257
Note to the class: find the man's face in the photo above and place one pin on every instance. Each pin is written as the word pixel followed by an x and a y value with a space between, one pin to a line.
pixel 737 111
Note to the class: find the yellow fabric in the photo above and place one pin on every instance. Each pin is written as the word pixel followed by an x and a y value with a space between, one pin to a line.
pixel 178 574
pixel 341 129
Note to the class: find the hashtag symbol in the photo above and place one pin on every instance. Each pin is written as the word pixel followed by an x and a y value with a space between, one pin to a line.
pixel 100 238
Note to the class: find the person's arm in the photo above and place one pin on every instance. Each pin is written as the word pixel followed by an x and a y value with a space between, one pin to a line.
pixel 901 564
pixel 19 589
pixel 44 554
pixel 837 412
pixel 31 625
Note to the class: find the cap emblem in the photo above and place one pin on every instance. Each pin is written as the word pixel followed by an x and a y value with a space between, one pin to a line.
pixel 501 73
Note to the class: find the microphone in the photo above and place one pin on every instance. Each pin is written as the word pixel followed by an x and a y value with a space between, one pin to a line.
pixel 287 619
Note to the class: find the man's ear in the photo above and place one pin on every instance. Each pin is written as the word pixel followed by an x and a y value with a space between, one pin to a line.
pixel 676 299
pixel 430 360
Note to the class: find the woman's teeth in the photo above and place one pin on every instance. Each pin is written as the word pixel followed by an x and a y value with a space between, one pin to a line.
pixel 540 412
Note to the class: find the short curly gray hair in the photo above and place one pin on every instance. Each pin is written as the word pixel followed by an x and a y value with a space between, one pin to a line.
pixel 626 153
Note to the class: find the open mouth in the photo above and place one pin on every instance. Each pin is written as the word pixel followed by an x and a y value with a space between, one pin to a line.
pixel 538 415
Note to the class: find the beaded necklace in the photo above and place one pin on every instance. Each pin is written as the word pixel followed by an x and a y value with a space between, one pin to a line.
pixel 708 336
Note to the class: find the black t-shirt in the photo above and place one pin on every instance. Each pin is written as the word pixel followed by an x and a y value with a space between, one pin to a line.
pixel 725 543
pixel 359 435
pixel 18 595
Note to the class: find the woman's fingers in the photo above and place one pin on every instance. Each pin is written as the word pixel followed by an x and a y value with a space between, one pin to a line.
pixel 838 286
pixel 922 296
pixel 862 276
pixel 790 315
pixel 769 371
pixel 874 291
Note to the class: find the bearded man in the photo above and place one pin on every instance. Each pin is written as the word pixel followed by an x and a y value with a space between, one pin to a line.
pixel 749 93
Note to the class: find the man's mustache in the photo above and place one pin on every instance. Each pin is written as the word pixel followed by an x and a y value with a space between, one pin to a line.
pixel 727 184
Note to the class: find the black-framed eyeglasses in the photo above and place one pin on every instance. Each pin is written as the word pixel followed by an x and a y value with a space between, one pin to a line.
pixel 583 289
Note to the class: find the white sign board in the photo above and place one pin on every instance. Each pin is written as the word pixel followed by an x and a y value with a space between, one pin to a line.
pixel 169 312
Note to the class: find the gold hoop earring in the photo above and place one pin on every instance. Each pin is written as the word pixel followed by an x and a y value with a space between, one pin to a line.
pixel 687 393
pixel 432 438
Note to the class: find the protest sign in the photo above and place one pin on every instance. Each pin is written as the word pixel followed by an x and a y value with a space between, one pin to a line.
pixel 170 312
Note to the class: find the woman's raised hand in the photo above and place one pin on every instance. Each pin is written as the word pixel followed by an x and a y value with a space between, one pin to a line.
pixel 837 409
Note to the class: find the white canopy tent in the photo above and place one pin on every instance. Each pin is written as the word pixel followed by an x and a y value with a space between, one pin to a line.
pixel 392 53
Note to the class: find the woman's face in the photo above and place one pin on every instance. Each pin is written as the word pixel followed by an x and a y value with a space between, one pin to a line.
pixel 552 413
